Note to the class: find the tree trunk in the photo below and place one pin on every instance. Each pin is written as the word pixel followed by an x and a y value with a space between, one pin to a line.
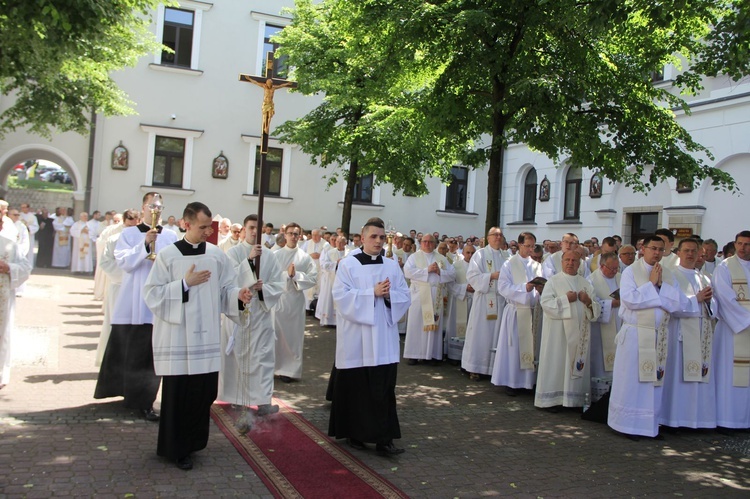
pixel 351 181
pixel 495 175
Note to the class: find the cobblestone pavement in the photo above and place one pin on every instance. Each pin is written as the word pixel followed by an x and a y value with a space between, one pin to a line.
pixel 463 438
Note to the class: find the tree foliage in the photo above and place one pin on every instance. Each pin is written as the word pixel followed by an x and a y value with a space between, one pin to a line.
pixel 370 120
pixel 569 78
pixel 57 56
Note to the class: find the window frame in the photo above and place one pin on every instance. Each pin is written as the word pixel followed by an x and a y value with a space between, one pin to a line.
pixel 256 171
pixel 576 184
pixel 286 165
pixel 528 202
pixel 177 133
pixel 198 8
pixel 264 20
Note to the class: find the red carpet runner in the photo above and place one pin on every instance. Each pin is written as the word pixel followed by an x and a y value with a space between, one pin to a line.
pixel 295 459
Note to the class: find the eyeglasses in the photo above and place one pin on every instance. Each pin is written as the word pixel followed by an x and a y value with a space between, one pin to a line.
pixel 627 253
pixel 612 269
pixel 494 234
pixel 654 248
pixel 294 234
pixel 235 231
pixel 451 242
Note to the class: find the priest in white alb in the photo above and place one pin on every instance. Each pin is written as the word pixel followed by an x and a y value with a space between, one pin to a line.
pixel 518 341
pixel 81 258
pixel 325 312
pixel 648 295
pixel 314 247
pixel 299 273
pixel 430 274
pixel 606 282
pixel 249 344
pixel 553 263
pixel 460 294
pixel 31 222
pixel 731 347
pixel 483 326
pixel 371 296
pixel 191 283
pixel 689 398
pixel 564 372
pixel 14 270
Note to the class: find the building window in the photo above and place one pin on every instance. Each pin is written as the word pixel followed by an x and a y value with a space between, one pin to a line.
pixel 274 162
pixel 169 161
pixel 529 196
pixel 280 67
pixel 455 193
pixel 178 36
pixel 180 30
pixel 572 208
pixel 363 190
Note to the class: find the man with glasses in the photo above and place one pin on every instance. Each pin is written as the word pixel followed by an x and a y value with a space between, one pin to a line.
pixel 430 274
pixel 689 397
pixel 627 256
pixel 521 320
pixel 710 258
pixel 553 264
pixel 606 283
pixel 648 295
pixel 235 231
pixel 300 273
pixel 483 327
pixel 609 245
pixel 731 347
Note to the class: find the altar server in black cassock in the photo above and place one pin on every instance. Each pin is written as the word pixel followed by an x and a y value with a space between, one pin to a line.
pixel 191 284
pixel 371 296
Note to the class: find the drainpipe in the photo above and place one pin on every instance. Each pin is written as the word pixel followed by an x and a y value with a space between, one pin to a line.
pixel 90 165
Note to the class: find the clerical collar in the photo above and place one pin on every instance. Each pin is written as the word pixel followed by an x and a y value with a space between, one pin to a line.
pixel 366 259
pixel 187 248
pixel 194 245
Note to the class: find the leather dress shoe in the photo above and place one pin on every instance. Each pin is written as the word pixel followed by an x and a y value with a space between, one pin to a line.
pixel 185 463
pixel 412 362
pixel 286 379
pixel 266 409
pixel 388 449
pixel 150 415
pixel 355 444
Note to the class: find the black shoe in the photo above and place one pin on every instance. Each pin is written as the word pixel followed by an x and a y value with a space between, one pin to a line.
pixel 511 392
pixel 150 415
pixel 185 463
pixel 286 379
pixel 266 409
pixel 412 362
pixel 728 432
pixel 356 444
pixel 388 449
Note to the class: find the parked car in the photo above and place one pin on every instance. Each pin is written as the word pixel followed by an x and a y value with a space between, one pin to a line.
pixel 58 177
pixel 41 170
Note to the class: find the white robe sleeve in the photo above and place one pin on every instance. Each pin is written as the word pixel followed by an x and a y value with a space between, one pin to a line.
pixel 20 268
pixel 305 273
pixel 554 304
pixel 475 274
pixel 130 251
pixel 730 311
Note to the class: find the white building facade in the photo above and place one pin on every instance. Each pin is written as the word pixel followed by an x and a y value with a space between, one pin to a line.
pixel 194 116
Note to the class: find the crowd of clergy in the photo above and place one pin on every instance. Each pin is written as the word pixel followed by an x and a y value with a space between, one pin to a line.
pixel 658 332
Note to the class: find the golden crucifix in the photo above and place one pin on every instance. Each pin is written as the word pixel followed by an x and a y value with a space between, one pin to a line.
pixel 269 84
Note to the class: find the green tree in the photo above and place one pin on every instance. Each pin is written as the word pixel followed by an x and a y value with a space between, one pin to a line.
pixel 370 120
pixel 56 58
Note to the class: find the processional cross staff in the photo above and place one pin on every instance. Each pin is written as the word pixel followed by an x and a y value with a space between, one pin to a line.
pixel 269 84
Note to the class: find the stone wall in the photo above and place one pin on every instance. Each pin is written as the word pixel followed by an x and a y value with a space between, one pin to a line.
pixel 40 199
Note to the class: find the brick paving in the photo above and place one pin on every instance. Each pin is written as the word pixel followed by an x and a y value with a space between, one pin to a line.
pixel 463 438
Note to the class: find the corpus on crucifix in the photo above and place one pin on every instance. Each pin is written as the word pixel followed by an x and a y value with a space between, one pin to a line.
pixel 269 84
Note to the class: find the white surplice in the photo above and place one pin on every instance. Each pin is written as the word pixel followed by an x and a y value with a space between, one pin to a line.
pixel 186 335
pixel 32 224
pixel 482 333
pixel 19 272
pixel 507 367
pixel 246 375
pixel 312 247
pixel 562 335
pixel 289 315
pixel 459 302
pixel 367 327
